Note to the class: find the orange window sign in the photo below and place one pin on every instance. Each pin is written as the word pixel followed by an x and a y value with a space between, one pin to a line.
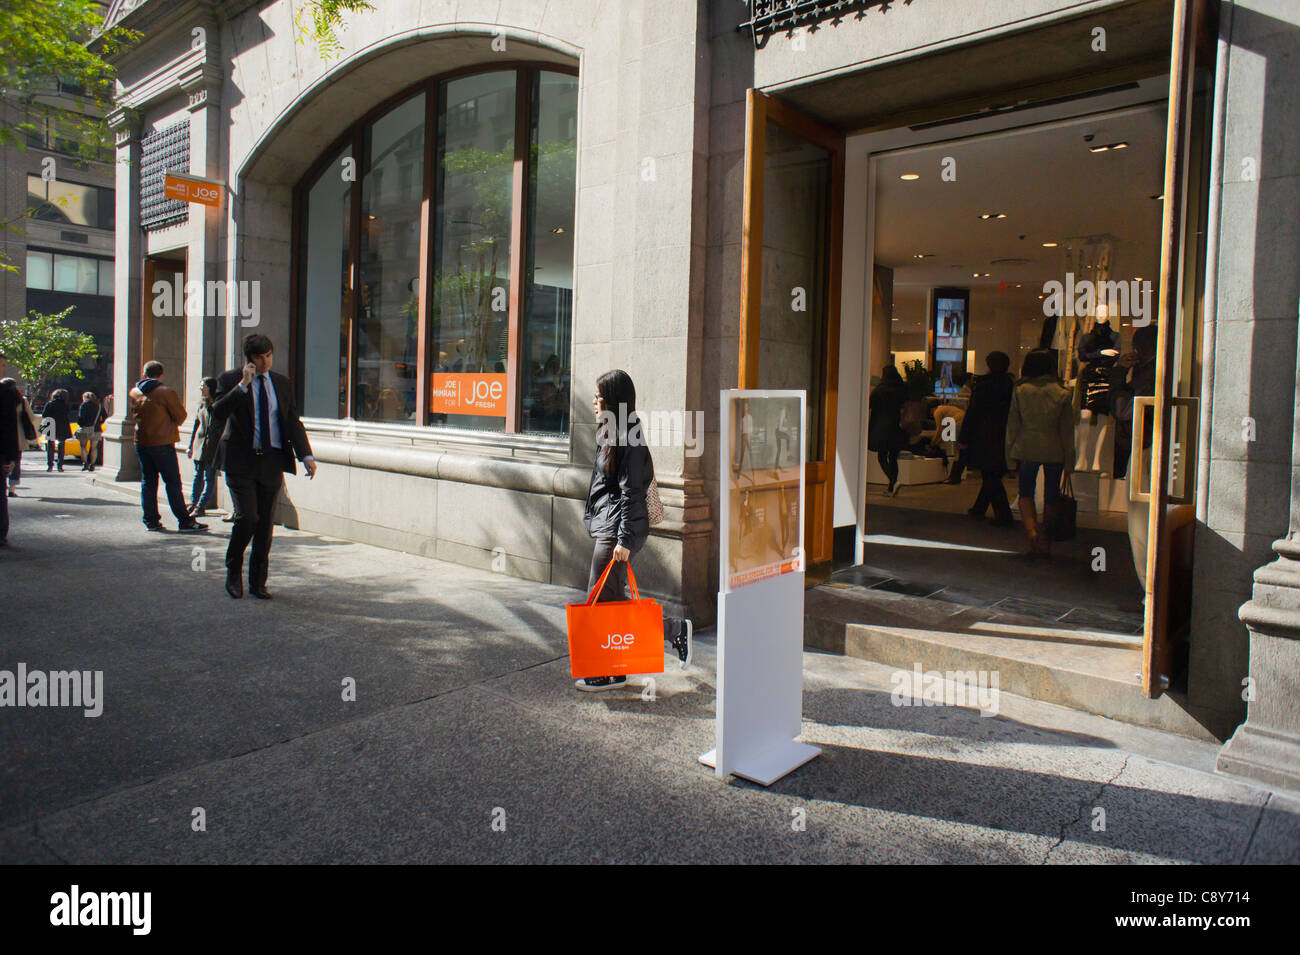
pixel 192 189
pixel 481 394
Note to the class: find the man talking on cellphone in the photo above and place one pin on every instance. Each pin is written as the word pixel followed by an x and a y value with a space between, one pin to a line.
pixel 262 435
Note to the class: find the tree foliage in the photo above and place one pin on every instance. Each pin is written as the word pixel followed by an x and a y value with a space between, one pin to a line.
pixel 316 21
pixel 54 81
pixel 43 347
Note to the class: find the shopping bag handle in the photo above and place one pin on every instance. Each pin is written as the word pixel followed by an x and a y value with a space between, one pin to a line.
pixel 600 584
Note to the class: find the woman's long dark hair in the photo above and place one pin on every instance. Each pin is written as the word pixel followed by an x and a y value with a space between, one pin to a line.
pixel 617 393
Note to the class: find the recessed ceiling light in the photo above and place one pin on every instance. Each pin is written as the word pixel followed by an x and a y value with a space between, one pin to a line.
pixel 1049 245
pixel 1137 278
pixel 1001 215
pixel 1158 197
pixel 909 176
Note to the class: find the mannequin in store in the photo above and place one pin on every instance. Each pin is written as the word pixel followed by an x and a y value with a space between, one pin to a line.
pixel 1097 353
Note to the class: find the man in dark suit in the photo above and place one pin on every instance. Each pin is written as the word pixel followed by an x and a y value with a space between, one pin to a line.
pixel 262 435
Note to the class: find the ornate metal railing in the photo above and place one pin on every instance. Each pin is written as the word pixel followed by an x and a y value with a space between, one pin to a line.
pixel 770 17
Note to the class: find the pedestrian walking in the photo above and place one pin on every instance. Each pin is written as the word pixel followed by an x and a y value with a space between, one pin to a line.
pixel 1040 434
pixel 87 429
pixel 616 515
pixel 25 443
pixel 983 436
pixel 261 433
pixel 158 413
pixel 14 428
pixel 55 426
pixel 204 492
pixel 885 433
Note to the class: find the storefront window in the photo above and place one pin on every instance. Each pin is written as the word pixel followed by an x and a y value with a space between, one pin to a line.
pixel 471 283
pixel 386 374
pixel 441 340
pixel 548 296
pixel 327 221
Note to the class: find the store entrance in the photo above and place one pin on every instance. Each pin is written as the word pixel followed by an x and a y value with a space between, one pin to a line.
pixel 972 238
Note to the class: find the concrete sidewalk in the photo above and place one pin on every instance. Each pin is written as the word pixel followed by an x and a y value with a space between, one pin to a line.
pixel 465 715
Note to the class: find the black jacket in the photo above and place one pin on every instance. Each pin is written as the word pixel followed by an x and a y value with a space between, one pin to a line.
pixel 884 428
pixel 88 414
pixel 984 429
pixel 616 508
pixel 58 410
pixel 232 417
pixel 11 419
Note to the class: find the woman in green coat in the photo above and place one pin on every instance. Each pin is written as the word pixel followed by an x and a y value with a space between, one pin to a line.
pixel 1040 434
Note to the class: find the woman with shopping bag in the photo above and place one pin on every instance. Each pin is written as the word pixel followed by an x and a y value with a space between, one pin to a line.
pixel 617 517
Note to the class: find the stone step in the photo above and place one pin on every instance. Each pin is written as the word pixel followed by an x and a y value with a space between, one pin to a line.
pixel 1085 670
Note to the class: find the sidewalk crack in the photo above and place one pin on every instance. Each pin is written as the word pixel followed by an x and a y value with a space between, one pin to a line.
pixel 1083 807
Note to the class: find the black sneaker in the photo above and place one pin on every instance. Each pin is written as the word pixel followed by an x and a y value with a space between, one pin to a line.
pixel 594 684
pixel 192 527
pixel 154 527
pixel 681 641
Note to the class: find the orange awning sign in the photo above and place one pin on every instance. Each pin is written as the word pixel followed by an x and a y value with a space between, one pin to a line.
pixel 192 189
pixel 459 393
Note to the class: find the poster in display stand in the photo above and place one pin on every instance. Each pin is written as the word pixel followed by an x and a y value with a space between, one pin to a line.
pixel 761 585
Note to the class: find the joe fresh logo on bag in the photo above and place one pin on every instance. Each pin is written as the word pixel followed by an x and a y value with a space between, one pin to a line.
pixel 618 641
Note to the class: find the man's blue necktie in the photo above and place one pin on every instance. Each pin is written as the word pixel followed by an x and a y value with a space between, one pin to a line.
pixel 263 414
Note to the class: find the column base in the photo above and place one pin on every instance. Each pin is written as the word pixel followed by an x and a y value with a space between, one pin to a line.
pixel 1266 756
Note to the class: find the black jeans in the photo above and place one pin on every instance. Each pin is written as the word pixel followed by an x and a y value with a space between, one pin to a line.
pixel 4 510
pixel 889 464
pixel 49 452
pixel 253 498
pixel 992 492
pixel 160 461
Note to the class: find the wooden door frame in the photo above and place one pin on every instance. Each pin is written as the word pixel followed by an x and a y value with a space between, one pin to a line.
pixel 759 109
pixel 149 276
pixel 1157 643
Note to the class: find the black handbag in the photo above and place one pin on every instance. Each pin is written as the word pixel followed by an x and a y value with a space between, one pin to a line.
pixel 1063 524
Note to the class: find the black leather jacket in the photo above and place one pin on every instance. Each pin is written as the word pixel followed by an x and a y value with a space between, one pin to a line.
pixel 616 509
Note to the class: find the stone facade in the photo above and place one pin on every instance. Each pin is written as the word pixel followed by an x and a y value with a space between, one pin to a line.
pixel 657 259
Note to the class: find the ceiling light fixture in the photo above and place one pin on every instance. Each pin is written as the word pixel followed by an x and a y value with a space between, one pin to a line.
pixel 909 176
pixel 1049 245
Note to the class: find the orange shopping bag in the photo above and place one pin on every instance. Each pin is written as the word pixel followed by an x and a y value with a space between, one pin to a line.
pixel 616 638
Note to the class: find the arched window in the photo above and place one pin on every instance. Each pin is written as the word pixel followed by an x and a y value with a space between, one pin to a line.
pixel 434 257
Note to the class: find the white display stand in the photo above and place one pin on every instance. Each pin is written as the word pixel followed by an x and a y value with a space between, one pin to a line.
pixel 760 609
pixel 760 682
pixel 911 471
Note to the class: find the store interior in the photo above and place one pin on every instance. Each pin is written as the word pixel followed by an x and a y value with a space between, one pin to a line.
pixel 969 234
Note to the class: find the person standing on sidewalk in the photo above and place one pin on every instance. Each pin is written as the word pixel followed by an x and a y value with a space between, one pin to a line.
pixel 158 414
pixel 59 430
pixel 15 430
pixel 615 513
pixel 27 435
pixel 204 492
pixel 261 432
pixel 87 433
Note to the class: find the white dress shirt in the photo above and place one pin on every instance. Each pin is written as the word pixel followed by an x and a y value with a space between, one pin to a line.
pixel 272 406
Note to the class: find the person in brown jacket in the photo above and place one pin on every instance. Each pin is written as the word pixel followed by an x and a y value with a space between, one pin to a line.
pixel 158 414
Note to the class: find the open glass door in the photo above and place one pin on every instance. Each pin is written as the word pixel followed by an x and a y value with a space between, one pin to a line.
pixel 1166 426
pixel 790 283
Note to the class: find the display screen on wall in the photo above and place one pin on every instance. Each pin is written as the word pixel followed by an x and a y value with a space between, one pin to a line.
pixel 948 323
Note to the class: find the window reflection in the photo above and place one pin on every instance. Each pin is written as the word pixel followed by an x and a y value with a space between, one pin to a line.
pixel 325 294
pixel 387 347
pixel 548 297
pixel 471 282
